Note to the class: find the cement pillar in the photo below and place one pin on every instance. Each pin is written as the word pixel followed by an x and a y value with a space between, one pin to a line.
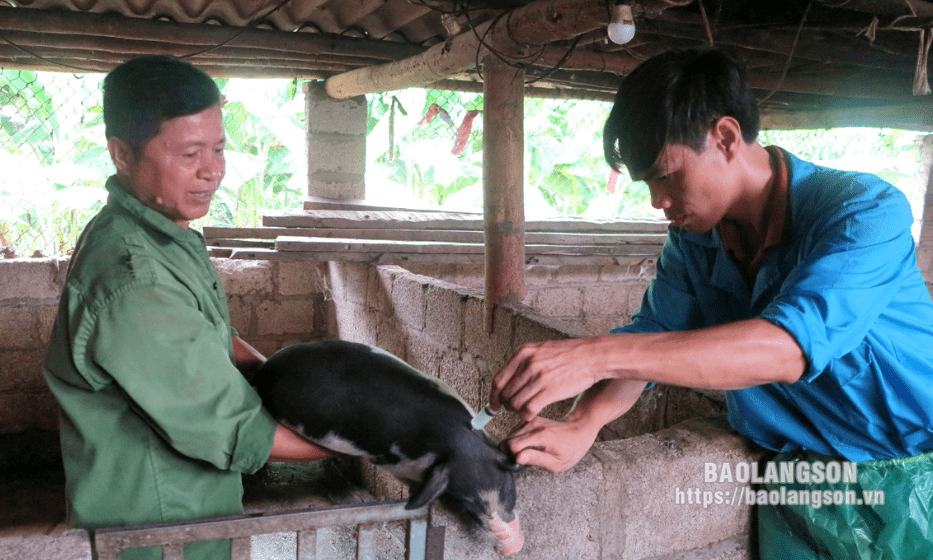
pixel 336 140
pixel 503 184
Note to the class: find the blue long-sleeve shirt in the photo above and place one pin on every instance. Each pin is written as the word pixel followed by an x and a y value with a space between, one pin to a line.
pixel 845 284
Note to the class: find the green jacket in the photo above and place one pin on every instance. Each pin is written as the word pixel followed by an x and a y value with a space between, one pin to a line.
pixel 156 422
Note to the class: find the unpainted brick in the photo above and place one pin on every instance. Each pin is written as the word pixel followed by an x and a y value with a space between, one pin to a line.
pixel 495 346
pixel 18 327
pixel 336 186
pixel 654 466
pixel 297 278
pixel 603 300
pixel 560 302
pixel 242 277
pixel 338 153
pixel 285 317
pixel 349 282
pixel 391 338
pixel 21 370
pixel 31 279
pixel 45 314
pixel 241 315
pixel 328 115
pixel 408 301
pixel 463 376
pixel 444 315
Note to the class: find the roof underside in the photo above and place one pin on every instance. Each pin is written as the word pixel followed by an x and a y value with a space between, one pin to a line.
pixel 812 62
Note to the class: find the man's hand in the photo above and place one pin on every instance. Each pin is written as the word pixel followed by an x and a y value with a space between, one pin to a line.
pixel 545 373
pixel 551 445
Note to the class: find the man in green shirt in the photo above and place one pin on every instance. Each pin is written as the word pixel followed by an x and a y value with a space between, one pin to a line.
pixel 157 420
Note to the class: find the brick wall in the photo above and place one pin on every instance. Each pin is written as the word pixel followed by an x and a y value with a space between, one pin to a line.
pixel 271 305
pixel 29 293
pixel 591 298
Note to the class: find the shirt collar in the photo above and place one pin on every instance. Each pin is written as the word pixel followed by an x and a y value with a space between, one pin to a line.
pixel 775 217
pixel 147 217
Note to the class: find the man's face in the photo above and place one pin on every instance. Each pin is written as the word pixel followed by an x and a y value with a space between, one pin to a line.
pixel 180 168
pixel 692 188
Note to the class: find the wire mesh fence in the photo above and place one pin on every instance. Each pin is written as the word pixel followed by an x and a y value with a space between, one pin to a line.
pixel 424 149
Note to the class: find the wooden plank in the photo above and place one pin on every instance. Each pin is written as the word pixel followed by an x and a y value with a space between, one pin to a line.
pixel 222 242
pixel 367 257
pixel 403 258
pixel 450 236
pixel 444 221
pixel 320 244
pixel 315 203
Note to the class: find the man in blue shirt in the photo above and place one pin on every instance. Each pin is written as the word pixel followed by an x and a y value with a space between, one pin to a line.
pixel 792 287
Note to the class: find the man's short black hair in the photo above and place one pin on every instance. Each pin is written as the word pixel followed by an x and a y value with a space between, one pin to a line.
pixel 142 93
pixel 674 98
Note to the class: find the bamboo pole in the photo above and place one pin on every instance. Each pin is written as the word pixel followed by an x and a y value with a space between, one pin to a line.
pixel 503 197
pixel 511 34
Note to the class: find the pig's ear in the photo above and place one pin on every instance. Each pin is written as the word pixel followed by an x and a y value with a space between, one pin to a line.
pixel 436 479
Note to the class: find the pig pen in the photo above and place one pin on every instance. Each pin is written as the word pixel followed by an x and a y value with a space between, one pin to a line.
pixel 639 493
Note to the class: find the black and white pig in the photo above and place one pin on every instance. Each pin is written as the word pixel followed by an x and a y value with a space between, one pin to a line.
pixel 360 400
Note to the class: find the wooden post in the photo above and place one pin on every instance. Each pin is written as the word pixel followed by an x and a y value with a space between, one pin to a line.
pixel 503 184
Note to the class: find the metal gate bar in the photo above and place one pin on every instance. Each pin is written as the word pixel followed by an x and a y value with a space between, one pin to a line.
pixel 172 537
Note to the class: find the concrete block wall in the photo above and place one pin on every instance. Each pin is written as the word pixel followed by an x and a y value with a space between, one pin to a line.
pixel 621 502
pixel 336 140
pixel 271 305
pixel 592 298
pixel 29 292
pixel 438 327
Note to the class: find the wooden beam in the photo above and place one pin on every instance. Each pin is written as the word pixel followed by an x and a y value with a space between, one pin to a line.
pixel 503 184
pixel 910 116
pixel 510 35
pixel 285 243
pixel 214 234
pixel 439 220
pixel 376 258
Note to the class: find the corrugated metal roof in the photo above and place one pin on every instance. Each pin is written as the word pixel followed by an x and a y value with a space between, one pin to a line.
pixel 377 19
pixel 803 55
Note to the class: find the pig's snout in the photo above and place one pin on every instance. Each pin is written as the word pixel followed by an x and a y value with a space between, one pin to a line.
pixel 509 536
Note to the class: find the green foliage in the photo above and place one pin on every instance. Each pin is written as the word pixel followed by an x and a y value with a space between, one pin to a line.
pixel 417 156
pixel 55 159
pixel 52 165
pixel 565 170
pixel 893 155
pixel 264 121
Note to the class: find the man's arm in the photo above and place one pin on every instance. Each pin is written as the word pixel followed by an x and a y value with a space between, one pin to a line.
pixel 733 356
pixel 246 358
pixel 289 447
